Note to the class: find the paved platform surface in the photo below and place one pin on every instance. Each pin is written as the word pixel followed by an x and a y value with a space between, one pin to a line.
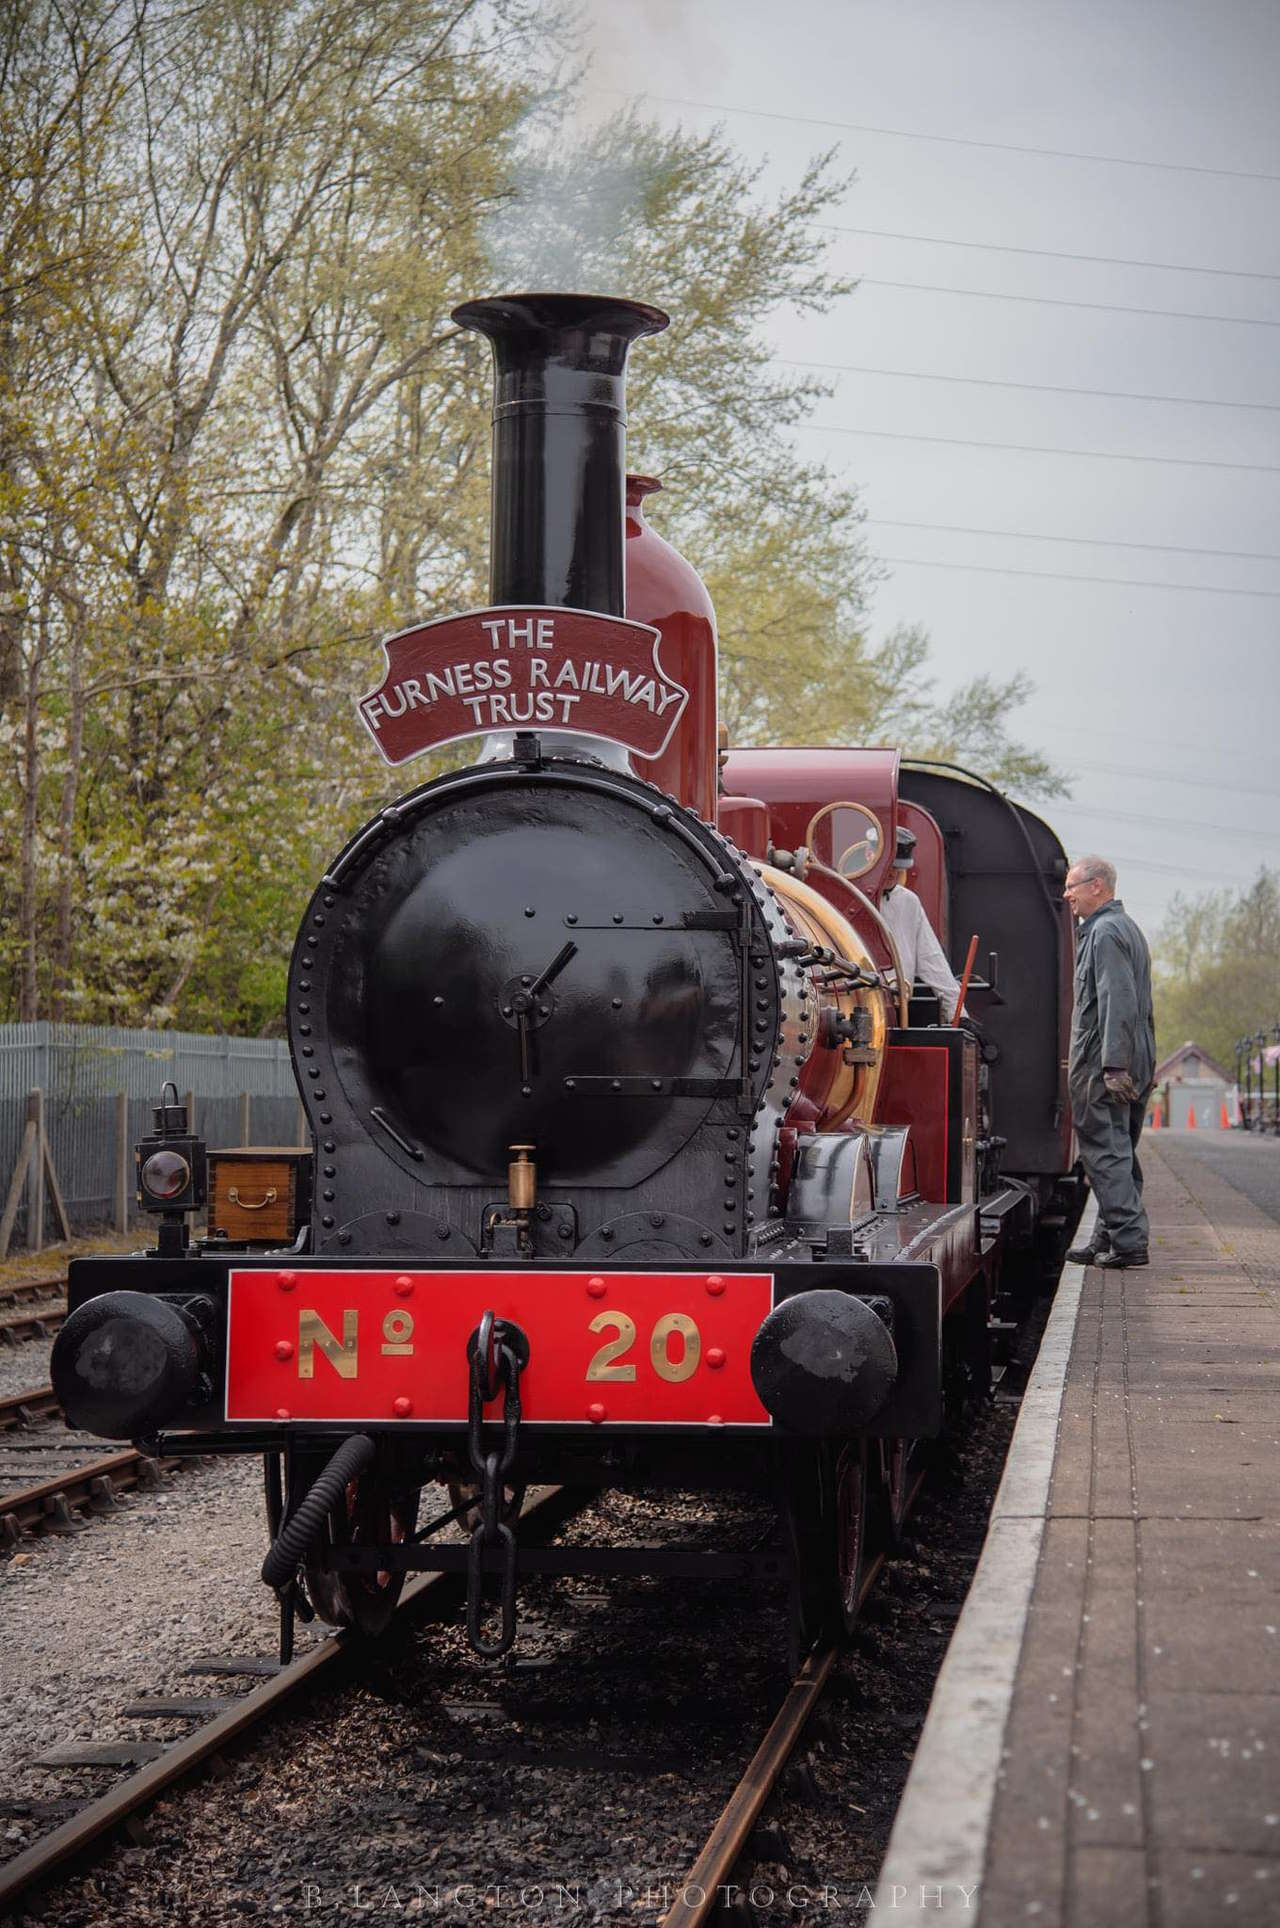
pixel 1104 1742
pixel 1141 1780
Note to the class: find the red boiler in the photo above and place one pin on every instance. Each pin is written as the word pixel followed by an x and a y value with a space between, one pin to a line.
pixel 665 590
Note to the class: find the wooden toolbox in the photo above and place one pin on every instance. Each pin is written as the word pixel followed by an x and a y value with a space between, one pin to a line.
pixel 259 1194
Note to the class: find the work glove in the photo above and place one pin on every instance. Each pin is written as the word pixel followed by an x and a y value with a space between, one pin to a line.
pixel 1121 1090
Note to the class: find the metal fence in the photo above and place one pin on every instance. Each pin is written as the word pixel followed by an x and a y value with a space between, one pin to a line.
pixel 99 1083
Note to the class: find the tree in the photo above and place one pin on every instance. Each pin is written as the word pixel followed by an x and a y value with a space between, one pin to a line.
pixel 243 377
pixel 241 438
pixel 1217 968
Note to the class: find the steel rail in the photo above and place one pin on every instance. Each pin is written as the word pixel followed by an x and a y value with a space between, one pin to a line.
pixel 31 1507
pixel 28 1291
pixel 20 1408
pixel 32 1325
pixel 696 1898
pixel 67 1843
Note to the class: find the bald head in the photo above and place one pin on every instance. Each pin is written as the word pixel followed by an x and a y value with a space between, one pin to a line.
pixel 1091 883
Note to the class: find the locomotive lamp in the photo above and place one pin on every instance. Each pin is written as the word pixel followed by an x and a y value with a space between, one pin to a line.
pixel 172 1170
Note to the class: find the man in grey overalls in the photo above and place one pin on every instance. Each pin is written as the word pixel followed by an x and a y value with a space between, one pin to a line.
pixel 1112 1062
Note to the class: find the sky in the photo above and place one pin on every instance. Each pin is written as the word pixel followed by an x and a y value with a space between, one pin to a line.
pixel 1001 151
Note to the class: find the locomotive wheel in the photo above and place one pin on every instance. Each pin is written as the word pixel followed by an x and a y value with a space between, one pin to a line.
pixel 809 1528
pixel 465 1493
pixel 851 1483
pixel 895 1470
pixel 369 1514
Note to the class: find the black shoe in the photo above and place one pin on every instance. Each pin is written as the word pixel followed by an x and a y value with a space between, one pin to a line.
pixel 1087 1254
pixel 1122 1261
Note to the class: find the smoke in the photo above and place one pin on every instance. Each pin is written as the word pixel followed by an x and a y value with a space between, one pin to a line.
pixel 659 46
pixel 581 199
pixel 586 174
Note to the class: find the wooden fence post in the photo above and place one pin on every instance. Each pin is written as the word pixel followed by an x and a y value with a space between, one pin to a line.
pixel 124 1162
pixel 303 1134
pixel 245 1138
pixel 22 1167
pixel 189 1100
pixel 35 1181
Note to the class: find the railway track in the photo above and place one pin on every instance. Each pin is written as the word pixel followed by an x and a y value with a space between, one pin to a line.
pixel 31 1441
pixel 223 1726
pixel 231 1719
pixel 32 1309
pixel 227 1723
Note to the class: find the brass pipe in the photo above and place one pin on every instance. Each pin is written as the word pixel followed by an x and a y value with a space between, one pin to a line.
pixel 522 1181
pixel 903 991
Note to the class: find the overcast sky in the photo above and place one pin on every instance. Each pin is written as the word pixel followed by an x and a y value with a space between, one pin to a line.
pixel 1160 702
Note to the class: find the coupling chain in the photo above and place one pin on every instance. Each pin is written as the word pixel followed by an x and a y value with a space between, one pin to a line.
pixel 495 1366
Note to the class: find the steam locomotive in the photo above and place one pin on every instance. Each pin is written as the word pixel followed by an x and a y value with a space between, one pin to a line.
pixel 633 1157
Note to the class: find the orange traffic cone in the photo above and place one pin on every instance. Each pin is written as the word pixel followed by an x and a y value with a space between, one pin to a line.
pixel 1156 1120
pixel 1224 1121
pixel 1191 1117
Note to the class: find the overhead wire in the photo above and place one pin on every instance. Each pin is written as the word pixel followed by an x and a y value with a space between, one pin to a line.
pixel 1087 542
pixel 1173 870
pixel 1194 829
pixel 1164 776
pixel 1042 388
pixel 1061 301
pixel 1051 254
pixel 1040 448
pixel 947 140
pixel 1055 575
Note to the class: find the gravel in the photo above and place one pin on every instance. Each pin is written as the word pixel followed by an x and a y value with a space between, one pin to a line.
pixel 24 1367
pixel 118 1609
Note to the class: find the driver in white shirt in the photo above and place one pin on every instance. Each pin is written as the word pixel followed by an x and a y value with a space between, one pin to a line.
pixel 922 955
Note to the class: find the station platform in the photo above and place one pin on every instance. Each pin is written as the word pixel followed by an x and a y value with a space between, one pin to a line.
pixel 1103 1745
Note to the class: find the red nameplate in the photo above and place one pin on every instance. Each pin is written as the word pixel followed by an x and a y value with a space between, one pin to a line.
pixel 523 668
pixel 377 1347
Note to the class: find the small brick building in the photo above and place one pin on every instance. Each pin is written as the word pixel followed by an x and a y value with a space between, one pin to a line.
pixel 1190 1077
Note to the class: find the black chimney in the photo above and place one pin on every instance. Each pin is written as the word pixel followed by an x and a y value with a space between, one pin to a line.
pixel 559 444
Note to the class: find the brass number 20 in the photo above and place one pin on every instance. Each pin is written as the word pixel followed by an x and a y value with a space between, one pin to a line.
pixel 673 1370
pixel 663 1364
pixel 602 1366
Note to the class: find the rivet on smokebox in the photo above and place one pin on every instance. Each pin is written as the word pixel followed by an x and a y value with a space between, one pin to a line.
pixel 714 1357
pixel 402 1407
pixel 596 1287
pixel 404 1286
pixel 715 1284
pixel 286 1280
pixel 595 1413
pixel 284 1348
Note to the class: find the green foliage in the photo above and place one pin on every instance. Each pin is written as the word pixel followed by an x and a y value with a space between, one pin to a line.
pixel 1217 968
pixel 241 439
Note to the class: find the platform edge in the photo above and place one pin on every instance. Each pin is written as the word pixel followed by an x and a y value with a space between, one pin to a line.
pixel 939 1837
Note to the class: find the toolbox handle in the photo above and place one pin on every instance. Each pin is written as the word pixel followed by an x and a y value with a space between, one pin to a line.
pixel 244 1204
